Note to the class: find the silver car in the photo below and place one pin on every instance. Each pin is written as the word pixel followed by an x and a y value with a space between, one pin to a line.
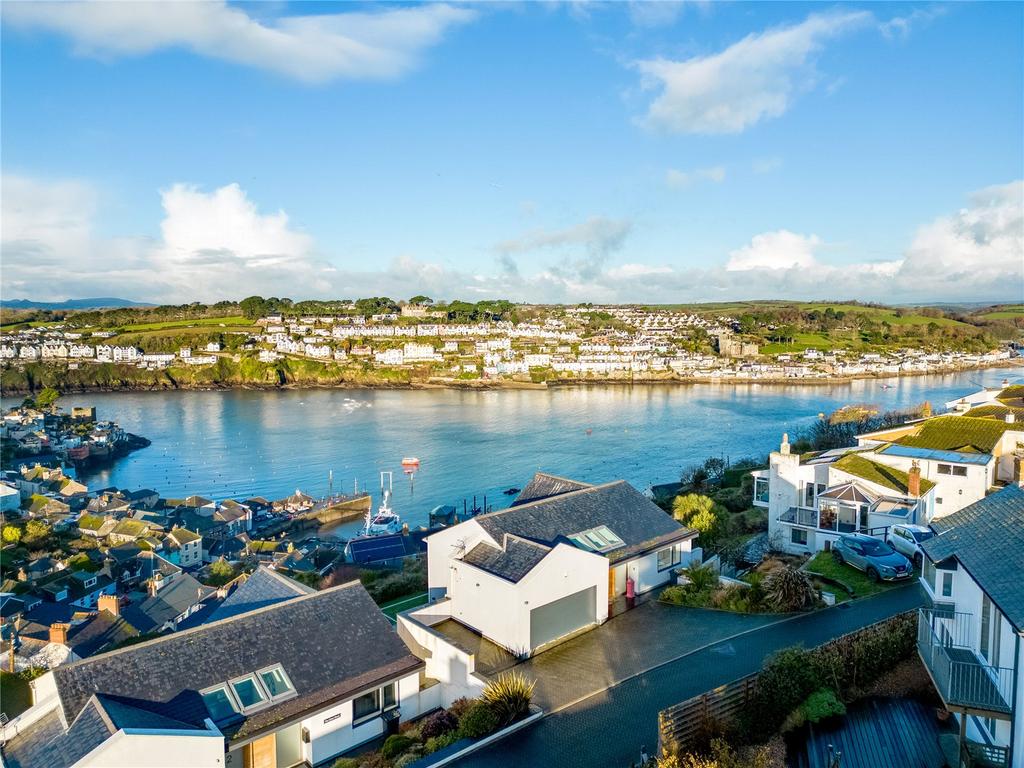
pixel 906 539
pixel 873 556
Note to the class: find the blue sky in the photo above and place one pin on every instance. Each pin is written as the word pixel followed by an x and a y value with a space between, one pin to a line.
pixel 542 152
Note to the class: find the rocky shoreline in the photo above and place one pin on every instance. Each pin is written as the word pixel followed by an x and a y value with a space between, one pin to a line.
pixel 507 384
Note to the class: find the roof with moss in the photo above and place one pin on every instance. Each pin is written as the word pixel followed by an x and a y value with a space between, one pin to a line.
pixel 993 411
pixel 1012 395
pixel 958 433
pixel 879 474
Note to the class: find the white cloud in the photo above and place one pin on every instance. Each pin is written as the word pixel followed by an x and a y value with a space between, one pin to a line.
pixel 900 26
pixel 775 250
pixel 677 179
pixel 218 244
pixel 213 245
pixel 654 13
pixel 751 80
pixel 314 48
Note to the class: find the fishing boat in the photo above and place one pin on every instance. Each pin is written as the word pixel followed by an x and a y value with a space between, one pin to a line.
pixel 410 461
pixel 382 535
pixel 385 520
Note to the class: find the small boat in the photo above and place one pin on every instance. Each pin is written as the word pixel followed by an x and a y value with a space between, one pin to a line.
pixel 511 491
pixel 410 461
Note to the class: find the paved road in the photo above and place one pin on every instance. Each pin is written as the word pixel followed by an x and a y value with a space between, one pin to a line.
pixel 607 729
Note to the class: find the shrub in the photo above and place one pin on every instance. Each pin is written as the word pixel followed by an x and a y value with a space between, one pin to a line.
pixel 686 596
pixel 822 704
pixel 408 758
pixel 733 499
pixel 509 696
pixel 788 589
pixel 701 577
pixel 788 678
pixel 440 742
pixel 460 706
pixel 480 720
pixel 438 723
pixel 395 745
pixel 346 762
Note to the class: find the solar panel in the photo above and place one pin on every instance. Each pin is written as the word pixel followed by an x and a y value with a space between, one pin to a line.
pixel 376 548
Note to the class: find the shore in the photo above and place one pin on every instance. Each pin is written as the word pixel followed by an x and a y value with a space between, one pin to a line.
pixel 169 383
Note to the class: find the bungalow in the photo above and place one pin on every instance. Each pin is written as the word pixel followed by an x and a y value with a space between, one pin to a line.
pixel 550 565
pixel 971 638
pixel 264 687
pixel 79 588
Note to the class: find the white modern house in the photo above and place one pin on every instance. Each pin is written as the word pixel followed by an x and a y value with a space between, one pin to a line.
pixel 971 638
pixel 281 676
pixel 546 568
pixel 811 503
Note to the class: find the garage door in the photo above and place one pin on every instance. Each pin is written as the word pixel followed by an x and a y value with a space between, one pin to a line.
pixel 552 621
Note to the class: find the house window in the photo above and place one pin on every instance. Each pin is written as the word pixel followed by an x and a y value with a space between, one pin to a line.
pixel 276 682
pixel 944 469
pixel 761 489
pixel 667 558
pixel 809 495
pixel 929 574
pixel 798 536
pixel 219 703
pixel 960 471
pixel 365 707
pixel 389 695
pixel 986 629
pixel 947 584
pixel 248 692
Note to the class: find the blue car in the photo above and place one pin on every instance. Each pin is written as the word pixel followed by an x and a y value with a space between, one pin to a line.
pixel 873 556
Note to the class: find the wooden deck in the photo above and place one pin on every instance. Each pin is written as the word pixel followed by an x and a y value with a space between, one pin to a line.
pixel 902 733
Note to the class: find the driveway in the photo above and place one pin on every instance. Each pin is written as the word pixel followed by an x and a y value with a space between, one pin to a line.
pixel 648 636
pixel 608 727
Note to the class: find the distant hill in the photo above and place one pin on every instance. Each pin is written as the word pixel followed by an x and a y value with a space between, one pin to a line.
pixel 100 303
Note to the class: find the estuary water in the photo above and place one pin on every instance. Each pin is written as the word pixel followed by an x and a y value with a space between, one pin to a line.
pixel 239 443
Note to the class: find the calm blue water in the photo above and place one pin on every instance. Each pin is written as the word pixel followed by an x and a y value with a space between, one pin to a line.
pixel 242 443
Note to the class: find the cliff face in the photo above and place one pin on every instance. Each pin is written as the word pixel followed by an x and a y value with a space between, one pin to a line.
pixel 226 373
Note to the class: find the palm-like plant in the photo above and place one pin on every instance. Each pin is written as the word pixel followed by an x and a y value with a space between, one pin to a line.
pixel 788 589
pixel 509 696
pixel 701 577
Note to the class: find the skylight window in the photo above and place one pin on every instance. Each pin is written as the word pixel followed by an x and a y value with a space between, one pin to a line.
pixel 599 539
pixel 248 692
pixel 219 703
pixel 276 682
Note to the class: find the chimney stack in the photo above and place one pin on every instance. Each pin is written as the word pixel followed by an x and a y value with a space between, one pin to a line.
pixel 784 448
pixel 914 480
pixel 59 633
pixel 1010 417
pixel 109 603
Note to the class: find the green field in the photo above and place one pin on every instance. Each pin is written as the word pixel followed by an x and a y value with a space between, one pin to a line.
pixel 1009 312
pixel 395 607
pixel 234 320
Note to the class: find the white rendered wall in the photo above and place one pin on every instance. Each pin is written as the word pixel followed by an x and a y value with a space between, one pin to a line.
pixel 133 749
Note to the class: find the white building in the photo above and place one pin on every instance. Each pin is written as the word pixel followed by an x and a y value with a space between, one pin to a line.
pixel 254 685
pixel 971 638
pixel 545 568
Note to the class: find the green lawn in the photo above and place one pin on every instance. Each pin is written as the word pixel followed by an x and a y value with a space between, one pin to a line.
pixel 15 694
pixel 825 564
pixel 395 607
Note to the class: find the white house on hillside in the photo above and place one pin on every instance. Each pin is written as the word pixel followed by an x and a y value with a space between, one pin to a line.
pixel 545 568
pixel 296 677
pixel 971 638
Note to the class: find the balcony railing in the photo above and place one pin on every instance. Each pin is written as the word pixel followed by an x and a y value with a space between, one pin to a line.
pixel 800 516
pixel 962 678
pixel 973 754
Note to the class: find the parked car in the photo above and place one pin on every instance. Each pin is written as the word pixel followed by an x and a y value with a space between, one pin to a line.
pixel 873 556
pixel 906 539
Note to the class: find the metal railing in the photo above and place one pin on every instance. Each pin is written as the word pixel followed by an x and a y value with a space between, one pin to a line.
pixel 974 754
pixel 962 678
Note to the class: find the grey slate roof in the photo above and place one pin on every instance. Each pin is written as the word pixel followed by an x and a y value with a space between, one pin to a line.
pixel 638 521
pixel 169 602
pixel 987 538
pixel 47 743
pixel 263 587
pixel 332 644
pixel 100 632
pixel 544 486
pixel 513 562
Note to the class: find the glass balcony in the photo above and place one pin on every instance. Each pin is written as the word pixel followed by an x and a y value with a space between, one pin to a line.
pixel 800 516
pixel 963 679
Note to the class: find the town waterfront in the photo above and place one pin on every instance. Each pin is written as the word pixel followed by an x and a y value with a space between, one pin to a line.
pixel 240 443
